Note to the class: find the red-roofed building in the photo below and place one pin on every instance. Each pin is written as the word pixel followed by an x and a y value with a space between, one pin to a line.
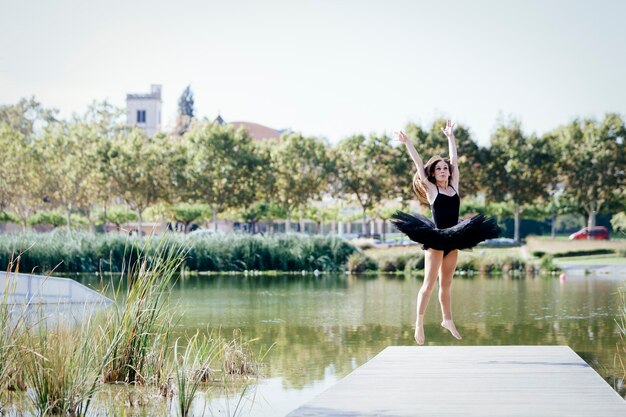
pixel 255 130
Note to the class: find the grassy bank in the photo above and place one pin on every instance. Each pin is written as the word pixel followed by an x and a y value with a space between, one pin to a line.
pixel 410 259
pixel 539 254
pixel 578 252
pixel 538 245
pixel 85 252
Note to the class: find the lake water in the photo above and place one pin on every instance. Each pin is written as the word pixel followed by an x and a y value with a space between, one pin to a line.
pixel 324 327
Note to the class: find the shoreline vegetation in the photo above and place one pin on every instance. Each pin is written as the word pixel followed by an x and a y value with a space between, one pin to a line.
pixel 59 363
pixel 84 252
pixel 240 253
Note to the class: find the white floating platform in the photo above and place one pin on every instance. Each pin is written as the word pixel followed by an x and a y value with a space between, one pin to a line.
pixel 470 381
pixel 38 289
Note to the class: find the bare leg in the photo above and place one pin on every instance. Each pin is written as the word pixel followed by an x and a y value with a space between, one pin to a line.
pixel 432 262
pixel 446 272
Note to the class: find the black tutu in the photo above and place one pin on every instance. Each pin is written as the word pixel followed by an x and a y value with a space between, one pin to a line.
pixel 464 235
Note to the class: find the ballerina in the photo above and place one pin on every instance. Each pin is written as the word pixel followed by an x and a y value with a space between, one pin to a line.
pixel 437 183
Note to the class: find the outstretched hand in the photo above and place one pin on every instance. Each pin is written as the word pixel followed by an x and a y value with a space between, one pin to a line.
pixel 401 136
pixel 448 129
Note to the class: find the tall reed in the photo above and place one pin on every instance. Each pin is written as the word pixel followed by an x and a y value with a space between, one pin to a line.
pixel 85 252
pixel 13 326
pixel 620 353
pixel 214 363
pixel 139 326
pixel 62 363
pixel 193 367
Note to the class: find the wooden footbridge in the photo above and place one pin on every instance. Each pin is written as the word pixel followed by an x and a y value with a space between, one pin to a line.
pixel 470 381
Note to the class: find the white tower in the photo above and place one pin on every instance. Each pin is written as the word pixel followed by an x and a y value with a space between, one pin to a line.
pixel 144 110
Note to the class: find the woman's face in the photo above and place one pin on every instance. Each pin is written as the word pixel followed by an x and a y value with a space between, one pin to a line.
pixel 442 172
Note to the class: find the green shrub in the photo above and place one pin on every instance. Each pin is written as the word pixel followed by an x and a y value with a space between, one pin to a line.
pixel 415 263
pixel 547 263
pixel 394 264
pixel 513 264
pixel 52 218
pixel 618 222
pixel 468 265
pixel 7 217
pixel 359 262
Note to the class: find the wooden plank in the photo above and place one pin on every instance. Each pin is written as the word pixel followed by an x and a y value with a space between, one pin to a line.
pixel 470 381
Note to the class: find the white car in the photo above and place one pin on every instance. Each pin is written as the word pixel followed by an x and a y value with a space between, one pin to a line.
pixel 501 242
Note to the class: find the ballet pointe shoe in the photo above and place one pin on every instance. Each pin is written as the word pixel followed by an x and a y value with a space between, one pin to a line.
pixel 419 331
pixel 449 325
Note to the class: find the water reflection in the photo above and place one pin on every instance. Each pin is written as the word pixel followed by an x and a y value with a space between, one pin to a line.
pixel 324 327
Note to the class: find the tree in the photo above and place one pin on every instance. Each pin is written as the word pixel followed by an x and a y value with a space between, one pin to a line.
pixel 384 212
pixel 119 216
pixel 187 213
pixel 520 169
pixel 301 166
pixel 26 116
pixel 364 170
pixel 52 218
pixel 253 214
pixel 105 119
pixel 592 163
pixel 321 215
pixel 139 168
pixel 222 167
pixel 66 152
pixel 618 222
pixel 185 111
pixel 186 103
pixel 265 188
pixel 106 122
pixel 21 185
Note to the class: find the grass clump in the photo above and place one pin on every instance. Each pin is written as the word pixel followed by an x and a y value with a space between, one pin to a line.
pixel 139 327
pixel 209 360
pixel 192 368
pixel 547 264
pixel 359 262
pixel 415 263
pixel 469 265
pixel 62 367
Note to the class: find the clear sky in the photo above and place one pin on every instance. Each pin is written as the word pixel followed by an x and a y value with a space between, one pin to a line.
pixel 325 68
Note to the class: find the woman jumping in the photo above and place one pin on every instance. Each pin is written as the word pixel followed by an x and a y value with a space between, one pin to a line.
pixel 437 183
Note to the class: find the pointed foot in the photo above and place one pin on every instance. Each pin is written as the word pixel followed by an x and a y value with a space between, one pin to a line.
pixel 419 334
pixel 449 325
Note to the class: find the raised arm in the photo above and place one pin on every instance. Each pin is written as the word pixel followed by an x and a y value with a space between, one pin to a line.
pixel 448 131
pixel 419 164
pixel 451 143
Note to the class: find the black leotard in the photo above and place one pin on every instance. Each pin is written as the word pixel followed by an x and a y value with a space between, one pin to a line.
pixel 445 209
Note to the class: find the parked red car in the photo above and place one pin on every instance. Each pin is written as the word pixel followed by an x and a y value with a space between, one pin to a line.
pixel 597 233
